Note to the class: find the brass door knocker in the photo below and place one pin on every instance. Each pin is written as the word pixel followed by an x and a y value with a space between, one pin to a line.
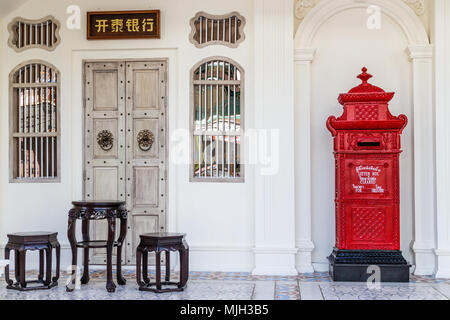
pixel 145 140
pixel 105 140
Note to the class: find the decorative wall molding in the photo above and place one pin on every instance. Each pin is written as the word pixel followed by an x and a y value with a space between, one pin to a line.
pixel 28 34
pixel 303 7
pixel 417 5
pixel 410 24
pixel 226 30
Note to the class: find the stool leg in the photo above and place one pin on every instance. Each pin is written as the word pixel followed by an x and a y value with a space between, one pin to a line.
pixel 48 276
pixel 22 261
pixel 138 268
pixel 7 254
pixel 184 265
pixel 17 265
pixel 85 233
pixel 168 266
pixel 145 266
pixel 58 263
pixel 41 265
pixel 110 285
pixel 158 270
pixel 123 231
pixel 73 246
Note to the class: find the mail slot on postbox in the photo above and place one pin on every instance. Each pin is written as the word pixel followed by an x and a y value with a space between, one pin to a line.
pixel 367 147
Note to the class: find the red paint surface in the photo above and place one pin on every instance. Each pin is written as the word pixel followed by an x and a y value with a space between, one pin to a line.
pixel 367 147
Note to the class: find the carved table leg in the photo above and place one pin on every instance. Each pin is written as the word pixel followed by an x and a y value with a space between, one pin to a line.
pixel 167 265
pixel 85 233
pixel 58 263
pixel 110 286
pixel 22 273
pixel 17 265
pixel 123 232
pixel 139 268
pixel 48 276
pixel 73 246
pixel 8 281
pixel 41 265
pixel 158 269
pixel 145 266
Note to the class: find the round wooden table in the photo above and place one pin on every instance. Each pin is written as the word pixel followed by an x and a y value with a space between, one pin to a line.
pixel 98 210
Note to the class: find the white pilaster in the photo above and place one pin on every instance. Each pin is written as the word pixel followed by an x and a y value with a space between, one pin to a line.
pixel 424 188
pixel 274 110
pixel 441 41
pixel 302 101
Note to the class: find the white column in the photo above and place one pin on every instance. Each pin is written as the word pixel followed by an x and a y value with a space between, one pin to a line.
pixel 424 187
pixel 441 41
pixel 302 100
pixel 274 114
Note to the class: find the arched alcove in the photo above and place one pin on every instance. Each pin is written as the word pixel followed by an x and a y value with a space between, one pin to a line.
pixel 331 45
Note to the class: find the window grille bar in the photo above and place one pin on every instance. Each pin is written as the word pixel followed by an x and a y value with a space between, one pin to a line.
pixel 201 29
pixel 235 30
pixel 52 123
pixel 206 29
pixel 20 96
pixel 19 36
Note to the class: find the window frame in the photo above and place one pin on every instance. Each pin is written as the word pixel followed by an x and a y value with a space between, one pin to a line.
pixel 241 133
pixel 12 164
pixel 229 44
pixel 14 37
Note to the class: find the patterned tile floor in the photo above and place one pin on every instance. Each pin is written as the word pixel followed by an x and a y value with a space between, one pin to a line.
pixel 244 286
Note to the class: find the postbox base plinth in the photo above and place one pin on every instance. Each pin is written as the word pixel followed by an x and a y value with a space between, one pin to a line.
pixel 353 265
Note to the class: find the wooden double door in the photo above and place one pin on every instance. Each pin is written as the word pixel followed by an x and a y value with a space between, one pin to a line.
pixel 125 145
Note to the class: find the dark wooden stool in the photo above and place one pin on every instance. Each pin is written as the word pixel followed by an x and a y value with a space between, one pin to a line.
pixel 21 243
pixel 159 242
pixel 98 210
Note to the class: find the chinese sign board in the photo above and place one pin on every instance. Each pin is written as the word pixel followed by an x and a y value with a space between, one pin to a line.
pixel 123 25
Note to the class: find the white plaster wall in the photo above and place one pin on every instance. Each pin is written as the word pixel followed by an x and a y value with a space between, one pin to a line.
pixel 218 218
pixel 344 45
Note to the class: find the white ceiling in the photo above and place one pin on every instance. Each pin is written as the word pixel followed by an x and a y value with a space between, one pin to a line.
pixel 6 6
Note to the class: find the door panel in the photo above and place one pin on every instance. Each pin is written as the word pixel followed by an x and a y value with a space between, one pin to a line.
pixel 104 97
pixel 146 89
pixel 112 126
pixel 105 166
pixel 145 187
pixel 146 167
pixel 151 124
pixel 127 100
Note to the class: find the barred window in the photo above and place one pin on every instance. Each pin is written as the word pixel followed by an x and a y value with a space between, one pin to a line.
pixel 27 34
pixel 227 30
pixel 217 107
pixel 34 123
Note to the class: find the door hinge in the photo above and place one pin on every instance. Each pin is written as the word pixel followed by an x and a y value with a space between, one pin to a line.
pixel 84 175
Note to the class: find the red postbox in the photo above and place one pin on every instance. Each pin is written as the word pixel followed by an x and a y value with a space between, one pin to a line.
pixel 367 147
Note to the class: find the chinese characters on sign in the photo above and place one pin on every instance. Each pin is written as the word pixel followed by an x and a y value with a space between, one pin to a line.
pixel 123 25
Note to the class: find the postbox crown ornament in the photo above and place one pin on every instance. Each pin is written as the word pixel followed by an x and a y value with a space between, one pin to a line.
pixel 367 148
pixel 366 107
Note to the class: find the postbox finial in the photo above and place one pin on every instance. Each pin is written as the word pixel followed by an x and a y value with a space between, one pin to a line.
pixel 364 76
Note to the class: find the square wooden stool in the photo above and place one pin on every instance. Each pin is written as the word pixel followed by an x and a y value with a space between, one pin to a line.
pixel 45 242
pixel 159 242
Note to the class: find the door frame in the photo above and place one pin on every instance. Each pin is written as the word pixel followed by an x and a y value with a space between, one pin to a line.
pixel 167 117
